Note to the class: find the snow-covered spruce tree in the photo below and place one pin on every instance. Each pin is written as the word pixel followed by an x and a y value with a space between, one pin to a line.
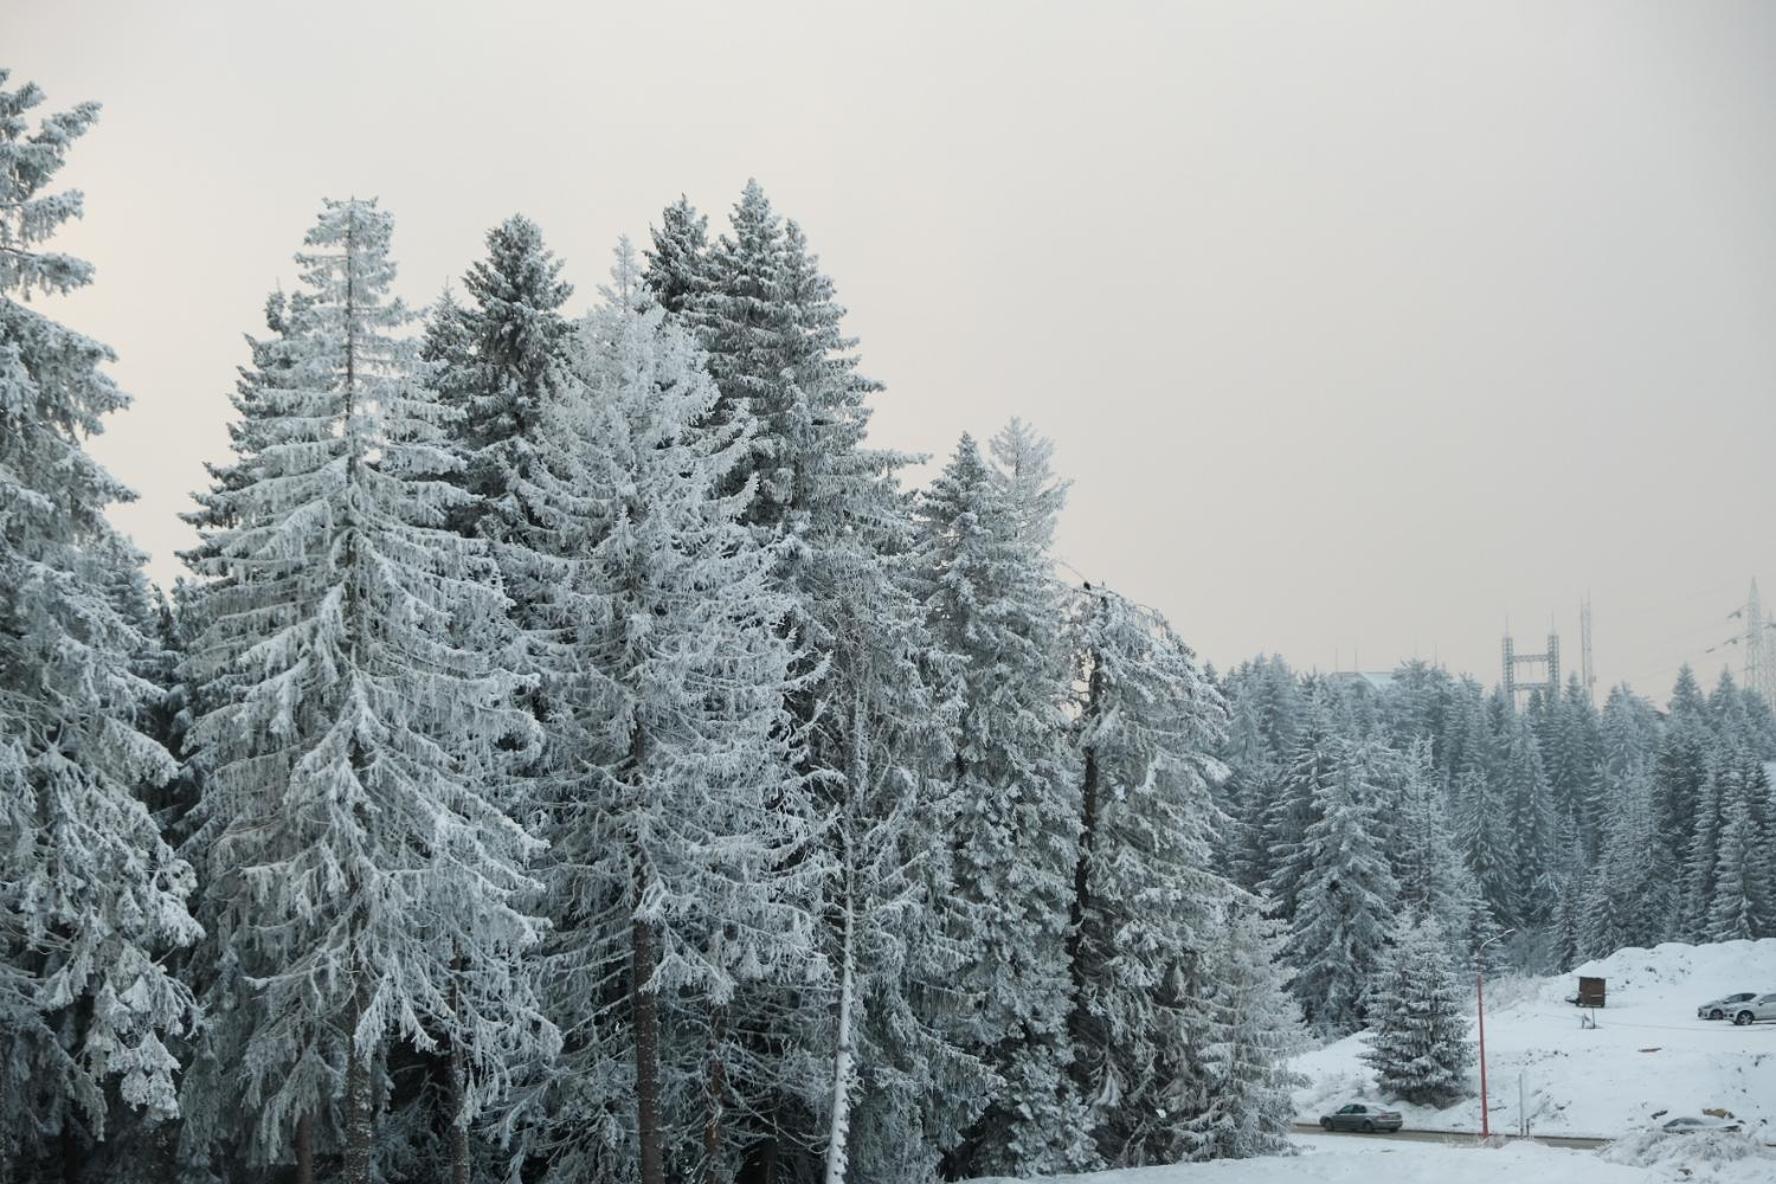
pixel 772 327
pixel 1022 462
pixel 1418 1042
pixel 1255 1028
pixel 1530 815
pixel 1483 834
pixel 675 271
pixel 1265 707
pixel 685 862
pixel 1734 911
pixel 504 380
pixel 1701 855
pixel 91 898
pixel 1742 901
pixel 832 508
pixel 1347 899
pixel 1147 902
pixel 361 878
pixel 1628 730
pixel 1681 770
pixel 992 601
pixel 1433 882
pixel 1297 803
pixel 902 1088
pixel 1574 760
pixel 1624 905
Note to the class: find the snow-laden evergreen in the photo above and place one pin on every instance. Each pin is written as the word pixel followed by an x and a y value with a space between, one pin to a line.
pixel 1418 1042
pixel 992 601
pixel 597 766
pixel 683 866
pixel 1148 904
pixel 1297 805
pixel 1348 896
pixel 362 882
pixel 501 360
pixel 1265 699
pixel 1246 1081
pixel 92 900
pixel 676 270
pixel 1742 899
pixel 1434 883
pixel 875 713
pixel 772 327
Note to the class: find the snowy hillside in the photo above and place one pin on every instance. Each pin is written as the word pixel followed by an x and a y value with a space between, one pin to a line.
pixel 1342 1159
pixel 1648 1054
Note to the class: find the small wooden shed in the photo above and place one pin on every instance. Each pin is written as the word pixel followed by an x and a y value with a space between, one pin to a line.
pixel 1590 992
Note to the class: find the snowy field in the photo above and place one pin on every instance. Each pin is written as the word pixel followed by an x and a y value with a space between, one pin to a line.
pixel 1649 1052
pixel 1334 1159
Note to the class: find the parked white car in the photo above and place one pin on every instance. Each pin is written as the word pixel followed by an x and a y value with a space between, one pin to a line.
pixel 1720 1009
pixel 1761 1008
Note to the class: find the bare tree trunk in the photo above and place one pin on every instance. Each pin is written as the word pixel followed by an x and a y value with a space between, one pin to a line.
pixel 458 1134
pixel 840 1129
pixel 358 1116
pixel 71 1153
pixel 645 1015
pixel 305 1150
pixel 857 774
pixel 1076 951
pixel 715 1089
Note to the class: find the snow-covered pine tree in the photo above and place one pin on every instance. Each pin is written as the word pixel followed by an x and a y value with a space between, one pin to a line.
pixel 771 323
pixel 1701 855
pixel 685 863
pixel 1625 904
pixel 1147 900
pixel 1418 1042
pixel 1022 462
pixel 675 271
pixel 1681 772
pixel 1530 815
pixel 362 880
pixel 1347 898
pixel 1296 805
pixel 500 361
pixel 991 600
pixel 1742 897
pixel 511 374
pixel 1433 882
pixel 1628 730
pixel 1256 1027
pixel 1483 831
pixel 1264 701
pixel 903 1089
pixel 1734 912
pixel 91 898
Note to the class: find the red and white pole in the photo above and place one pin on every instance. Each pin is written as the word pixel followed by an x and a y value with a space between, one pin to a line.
pixel 1480 1013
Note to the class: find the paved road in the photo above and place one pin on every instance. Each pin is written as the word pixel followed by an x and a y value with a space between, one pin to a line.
pixel 1573 1142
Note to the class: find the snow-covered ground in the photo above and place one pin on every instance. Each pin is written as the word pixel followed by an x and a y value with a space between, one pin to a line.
pixel 1648 1054
pixel 1334 1159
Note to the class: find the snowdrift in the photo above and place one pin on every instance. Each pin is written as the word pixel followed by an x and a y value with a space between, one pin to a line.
pixel 1346 1159
pixel 1649 1057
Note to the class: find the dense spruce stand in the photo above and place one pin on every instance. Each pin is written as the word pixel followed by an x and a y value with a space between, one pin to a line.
pixel 577 757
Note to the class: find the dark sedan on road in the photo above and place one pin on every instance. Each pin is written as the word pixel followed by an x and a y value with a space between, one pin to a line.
pixel 1359 1116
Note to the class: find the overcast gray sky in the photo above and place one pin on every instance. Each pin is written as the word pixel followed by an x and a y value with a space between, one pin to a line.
pixel 1360 327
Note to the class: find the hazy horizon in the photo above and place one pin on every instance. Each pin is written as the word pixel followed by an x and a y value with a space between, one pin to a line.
pixel 1359 330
